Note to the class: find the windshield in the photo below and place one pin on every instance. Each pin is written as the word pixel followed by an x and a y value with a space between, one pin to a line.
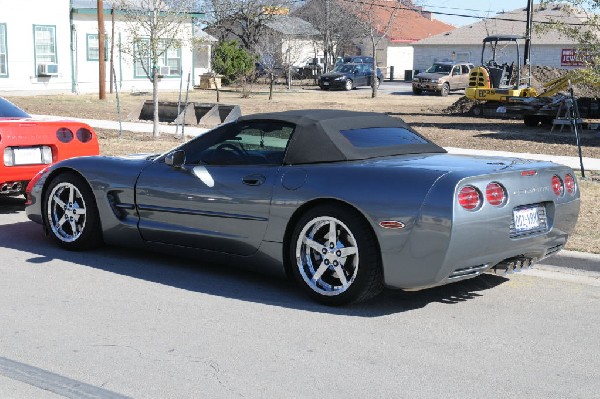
pixel 439 68
pixel 344 68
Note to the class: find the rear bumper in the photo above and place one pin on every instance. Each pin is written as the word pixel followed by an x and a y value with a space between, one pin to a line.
pixel 439 252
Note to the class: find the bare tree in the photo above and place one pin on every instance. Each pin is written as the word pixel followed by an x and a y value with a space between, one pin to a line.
pixel 579 21
pixel 291 55
pixel 375 18
pixel 268 51
pixel 337 26
pixel 154 28
pixel 244 20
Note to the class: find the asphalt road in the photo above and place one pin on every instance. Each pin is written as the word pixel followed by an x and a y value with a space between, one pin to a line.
pixel 115 323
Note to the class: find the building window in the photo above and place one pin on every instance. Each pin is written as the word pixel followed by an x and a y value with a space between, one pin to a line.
pixel 3 52
pixel 44 37
pixel 93 47
pixel 169 62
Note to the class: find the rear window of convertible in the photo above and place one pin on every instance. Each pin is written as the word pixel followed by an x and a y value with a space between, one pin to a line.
pixel 382 137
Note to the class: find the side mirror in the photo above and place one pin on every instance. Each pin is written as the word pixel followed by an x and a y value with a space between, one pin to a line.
pixel 176 159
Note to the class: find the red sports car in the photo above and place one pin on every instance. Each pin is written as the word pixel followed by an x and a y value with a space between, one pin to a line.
pixel 29 144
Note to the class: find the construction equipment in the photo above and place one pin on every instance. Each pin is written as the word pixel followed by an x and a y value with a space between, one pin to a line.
pixel 496 81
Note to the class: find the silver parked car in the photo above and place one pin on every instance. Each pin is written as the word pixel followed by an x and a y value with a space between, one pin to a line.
pixel 346 202
pixel 442 78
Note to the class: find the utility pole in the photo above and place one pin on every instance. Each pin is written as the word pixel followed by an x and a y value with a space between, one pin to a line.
pixel 326 54
pixel 101 52
pixel 528 28
pixel 112 48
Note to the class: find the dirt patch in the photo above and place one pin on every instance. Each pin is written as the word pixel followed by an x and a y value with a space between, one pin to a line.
pixel 462 106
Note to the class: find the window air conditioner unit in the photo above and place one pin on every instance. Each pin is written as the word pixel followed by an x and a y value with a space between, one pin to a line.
pixel 164 71
pixel 47 69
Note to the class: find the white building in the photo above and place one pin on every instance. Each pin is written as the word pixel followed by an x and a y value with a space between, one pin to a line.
pixel 52 46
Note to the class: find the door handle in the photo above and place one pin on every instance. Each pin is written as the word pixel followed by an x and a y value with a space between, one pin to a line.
pixel 254 180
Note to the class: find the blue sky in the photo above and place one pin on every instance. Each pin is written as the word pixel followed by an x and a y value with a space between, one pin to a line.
pixel 483 8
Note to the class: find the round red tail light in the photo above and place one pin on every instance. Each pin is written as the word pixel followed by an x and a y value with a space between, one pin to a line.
pixel 495 194
pixel 557 186
pixel 469 198
pixel 64 135
pixel 84 135
pixel 570 184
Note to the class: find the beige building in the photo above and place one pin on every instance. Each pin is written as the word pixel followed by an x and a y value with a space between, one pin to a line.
pixel 465 43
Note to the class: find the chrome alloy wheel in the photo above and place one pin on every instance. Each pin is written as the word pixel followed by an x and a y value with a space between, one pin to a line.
pixel 66 212
pixel 327 256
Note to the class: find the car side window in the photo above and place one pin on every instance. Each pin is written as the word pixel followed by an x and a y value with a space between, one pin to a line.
pixel 465 68
pixel 250 143
pixel 456 70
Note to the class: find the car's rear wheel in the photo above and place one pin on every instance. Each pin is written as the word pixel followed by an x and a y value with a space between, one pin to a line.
pixel 348 86
pixel 70 213
pixel 377 83
pixel 445 90
pixel 335 256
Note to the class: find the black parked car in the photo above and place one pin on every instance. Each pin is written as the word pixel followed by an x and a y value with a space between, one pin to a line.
pixel 349 76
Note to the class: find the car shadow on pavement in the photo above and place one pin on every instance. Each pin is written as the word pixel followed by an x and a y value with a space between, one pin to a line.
pixel 11 204
pixel 227 281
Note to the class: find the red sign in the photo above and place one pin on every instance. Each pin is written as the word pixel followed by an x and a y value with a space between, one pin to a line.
pixel 569 57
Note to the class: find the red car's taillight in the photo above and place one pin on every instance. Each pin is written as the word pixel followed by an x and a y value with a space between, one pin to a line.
pixel 469 198
pixel 557 186
pixel 84 135
pixel 570 184
pixel 495 194
pixel 64 135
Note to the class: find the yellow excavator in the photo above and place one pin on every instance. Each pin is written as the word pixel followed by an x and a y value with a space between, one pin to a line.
pixel 505 89
pixel 500 82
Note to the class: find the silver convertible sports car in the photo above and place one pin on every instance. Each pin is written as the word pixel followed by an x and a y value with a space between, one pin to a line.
pixel 346 202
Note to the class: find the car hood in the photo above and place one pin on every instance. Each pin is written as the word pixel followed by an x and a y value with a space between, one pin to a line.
pixel 429 75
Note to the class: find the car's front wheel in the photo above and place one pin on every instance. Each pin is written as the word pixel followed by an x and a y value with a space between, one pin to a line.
pixel 70 213
pixel 348 86
pixel 335 256
pixel 417 91
pixel 445 90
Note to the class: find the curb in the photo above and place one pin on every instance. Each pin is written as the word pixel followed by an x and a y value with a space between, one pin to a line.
pixel 574 260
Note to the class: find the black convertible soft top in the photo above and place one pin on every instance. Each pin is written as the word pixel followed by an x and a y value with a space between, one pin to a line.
pixel 318 137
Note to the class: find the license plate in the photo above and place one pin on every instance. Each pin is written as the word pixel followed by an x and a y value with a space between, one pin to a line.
pixel 501 109
pixel 27 156
pixel 325 83
pixel 526 219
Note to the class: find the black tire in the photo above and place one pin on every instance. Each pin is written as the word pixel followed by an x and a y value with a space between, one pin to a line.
pixel 417 91
pixel 477 110
pixel 445 90
pixel 531 120
pixel 348 85
pixel 355 255
pixel 68 198
pixel 547 121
